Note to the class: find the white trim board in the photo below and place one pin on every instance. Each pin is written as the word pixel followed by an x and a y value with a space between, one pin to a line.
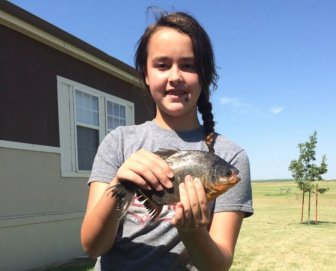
pixel 7 222
pixel 28 147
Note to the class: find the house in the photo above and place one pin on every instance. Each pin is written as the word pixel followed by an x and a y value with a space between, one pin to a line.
pixel 59 96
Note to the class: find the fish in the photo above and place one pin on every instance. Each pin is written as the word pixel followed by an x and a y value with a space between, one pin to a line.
pixel 216 175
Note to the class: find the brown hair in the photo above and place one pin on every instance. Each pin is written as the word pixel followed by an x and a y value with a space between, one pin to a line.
pixel 204 58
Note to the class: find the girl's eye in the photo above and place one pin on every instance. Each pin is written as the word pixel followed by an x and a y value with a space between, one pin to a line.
pixel 161 66
pixel 189 66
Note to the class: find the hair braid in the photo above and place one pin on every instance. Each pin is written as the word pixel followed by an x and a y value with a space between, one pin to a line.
pixel 205 108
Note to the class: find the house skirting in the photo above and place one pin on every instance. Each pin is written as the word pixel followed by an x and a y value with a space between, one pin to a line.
pixel 41 212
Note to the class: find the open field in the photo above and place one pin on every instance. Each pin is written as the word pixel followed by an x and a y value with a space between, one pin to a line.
pixel 273 238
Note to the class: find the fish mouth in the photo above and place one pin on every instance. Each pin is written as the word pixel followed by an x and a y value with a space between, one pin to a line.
pixel 221 186
pixel 233 179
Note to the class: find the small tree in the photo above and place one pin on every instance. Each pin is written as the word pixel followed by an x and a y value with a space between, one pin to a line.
pixel 305 172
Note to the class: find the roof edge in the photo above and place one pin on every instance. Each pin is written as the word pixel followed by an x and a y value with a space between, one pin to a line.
pixel 30 25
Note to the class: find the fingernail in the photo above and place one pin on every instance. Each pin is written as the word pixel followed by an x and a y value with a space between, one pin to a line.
pixel 189 179
pixel 197 180
pixel 170 174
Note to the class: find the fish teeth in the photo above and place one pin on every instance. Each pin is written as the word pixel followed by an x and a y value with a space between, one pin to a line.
pixel 142 199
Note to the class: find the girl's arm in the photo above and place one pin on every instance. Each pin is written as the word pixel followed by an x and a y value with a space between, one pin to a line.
pixel 208 250
pixel 214 250
pixel 101 221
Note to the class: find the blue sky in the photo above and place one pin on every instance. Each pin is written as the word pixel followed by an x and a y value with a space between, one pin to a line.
pixel 276 60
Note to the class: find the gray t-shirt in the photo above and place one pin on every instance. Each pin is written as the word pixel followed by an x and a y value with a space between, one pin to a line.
pixel 155 245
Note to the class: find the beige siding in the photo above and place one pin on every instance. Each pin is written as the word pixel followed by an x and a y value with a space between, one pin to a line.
pixel 40 213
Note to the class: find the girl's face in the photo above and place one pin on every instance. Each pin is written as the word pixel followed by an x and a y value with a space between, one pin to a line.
pixel 171 74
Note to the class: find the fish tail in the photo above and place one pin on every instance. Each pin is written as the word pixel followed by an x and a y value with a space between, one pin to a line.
pixel 123 196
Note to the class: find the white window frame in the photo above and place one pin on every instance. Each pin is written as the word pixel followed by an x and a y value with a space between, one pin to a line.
pixel 66 91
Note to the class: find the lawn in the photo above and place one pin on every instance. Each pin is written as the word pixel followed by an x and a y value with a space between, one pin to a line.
pixel 273 238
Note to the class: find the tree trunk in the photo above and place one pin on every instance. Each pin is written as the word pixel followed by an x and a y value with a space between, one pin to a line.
pixel 316 205
pixel 309 196
pixel 303 195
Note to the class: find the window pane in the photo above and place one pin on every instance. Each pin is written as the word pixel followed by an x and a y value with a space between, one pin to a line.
pixel 94 102
pixel 79 114
pixel 109 122
pixel 87 108
pixel 116 110
pixel 116 122
pixel 122 112
pixel 87 100
pixel 109 108
pixel 122 122
pixel 95 118
pixel 116 115
pixel 79 98
pixel 87 116
pixel 87 145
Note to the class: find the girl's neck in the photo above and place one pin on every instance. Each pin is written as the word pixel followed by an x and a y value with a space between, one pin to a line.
pixel 177 123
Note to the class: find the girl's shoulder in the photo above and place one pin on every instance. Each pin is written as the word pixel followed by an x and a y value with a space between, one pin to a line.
pixel 133 128
pixel 227 148
pixel 126 131
pixel 223 141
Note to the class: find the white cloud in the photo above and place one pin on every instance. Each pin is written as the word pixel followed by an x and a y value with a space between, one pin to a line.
pixel 235 103
pixel 227 100
pixel 276 109
pixel 241 107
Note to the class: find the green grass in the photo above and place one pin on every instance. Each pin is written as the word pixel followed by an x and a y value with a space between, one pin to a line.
pixel 273 238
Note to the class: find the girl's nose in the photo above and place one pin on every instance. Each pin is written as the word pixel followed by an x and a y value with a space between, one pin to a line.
pixel 175 76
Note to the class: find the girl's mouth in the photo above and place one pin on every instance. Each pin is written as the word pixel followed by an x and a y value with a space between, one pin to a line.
pixel 179 93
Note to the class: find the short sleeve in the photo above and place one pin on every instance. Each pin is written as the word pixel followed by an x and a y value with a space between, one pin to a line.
pixel 239 197
pixel 108 158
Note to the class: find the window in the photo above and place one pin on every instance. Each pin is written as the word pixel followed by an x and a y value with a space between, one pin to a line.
pixel 87 128
pixel 86 115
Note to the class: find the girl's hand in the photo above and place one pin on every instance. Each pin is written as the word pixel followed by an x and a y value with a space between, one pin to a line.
pixel 191 212
pixel 146 170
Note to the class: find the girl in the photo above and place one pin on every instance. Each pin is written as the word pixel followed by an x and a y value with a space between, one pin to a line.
pixel 175 59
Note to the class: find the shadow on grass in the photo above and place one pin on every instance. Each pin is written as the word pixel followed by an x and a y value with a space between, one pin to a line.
pixel 77 264
pixel 279 194
pixel 318 222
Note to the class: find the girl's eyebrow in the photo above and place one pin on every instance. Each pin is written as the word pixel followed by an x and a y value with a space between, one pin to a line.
pixel 160 58
pixel 165 58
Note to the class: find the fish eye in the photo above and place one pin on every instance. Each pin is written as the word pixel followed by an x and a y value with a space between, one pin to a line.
pixel 229 172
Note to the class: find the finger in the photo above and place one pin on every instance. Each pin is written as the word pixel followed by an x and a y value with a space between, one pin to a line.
pixel 160 168
pixel 202 201
pixel 143 166
pixel 193 199
pixel 178 219
pixel 124 173
pixel 184 199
